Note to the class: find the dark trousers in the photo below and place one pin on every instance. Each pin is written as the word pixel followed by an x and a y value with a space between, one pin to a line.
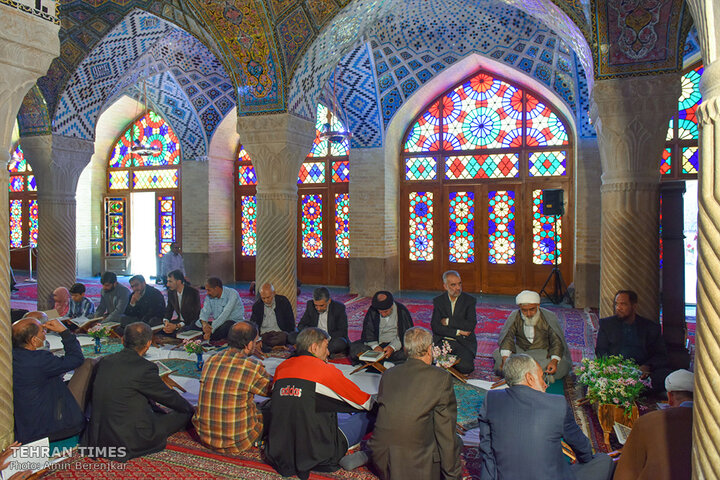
pixel 466 358
pixel 171 422
pixel 601 467
pixel 221 333
pixel 126 320
pixel 359 347
pixel 336 344
pixel 273 339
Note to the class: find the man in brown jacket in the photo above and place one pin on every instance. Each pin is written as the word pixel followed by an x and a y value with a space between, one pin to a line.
pixel 659 444
pixel 414 435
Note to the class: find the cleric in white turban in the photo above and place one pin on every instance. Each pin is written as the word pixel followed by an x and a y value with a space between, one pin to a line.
pixel 536 332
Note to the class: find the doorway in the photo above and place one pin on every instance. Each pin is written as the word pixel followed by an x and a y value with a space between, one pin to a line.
pixel 143 228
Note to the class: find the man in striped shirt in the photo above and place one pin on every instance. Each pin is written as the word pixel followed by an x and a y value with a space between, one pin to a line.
pixel 227 418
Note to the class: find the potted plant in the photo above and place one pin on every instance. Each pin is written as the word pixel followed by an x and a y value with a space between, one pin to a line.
pixel 445 359
pixel 614 384
pixel 195 346
pixel 98 332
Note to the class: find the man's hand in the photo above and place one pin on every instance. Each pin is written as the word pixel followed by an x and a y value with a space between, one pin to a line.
pixel 463 333
pixel 170 327
pixel 135 297
pixel 552 367
pixel 54 325
pixel 445 321
pixel 378 349
pixel 388 351
pixel 207 330
pixel 502 363
pixel 645 369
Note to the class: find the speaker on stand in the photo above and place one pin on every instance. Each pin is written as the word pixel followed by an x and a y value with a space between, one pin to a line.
pixel 553 204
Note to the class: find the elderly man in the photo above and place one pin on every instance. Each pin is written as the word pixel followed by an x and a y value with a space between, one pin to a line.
pixel 660 442
pixel 44 405
pixel 454 319
pixel 125 392
pixel 184 301
pixel 146 304
pixel 274 317
pixel 305 432
pixel 414 434
pixel 384 327
pixel 225 307
pixel 328 315
pixel 628 334
pixel 227 418
pixel 537 332
pixel 113 298
pixel 521 429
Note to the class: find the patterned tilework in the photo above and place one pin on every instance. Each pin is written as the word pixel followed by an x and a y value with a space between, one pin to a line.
pixel 691 51
pixel 169 100
pixel 321 10
pixel 294 32
pixel 33 117
pixel 585 130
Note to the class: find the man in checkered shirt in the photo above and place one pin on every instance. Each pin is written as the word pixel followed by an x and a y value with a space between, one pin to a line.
pixel 227 419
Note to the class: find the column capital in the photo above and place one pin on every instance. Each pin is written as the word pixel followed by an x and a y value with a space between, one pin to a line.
pixel 57 162
pixel 277 145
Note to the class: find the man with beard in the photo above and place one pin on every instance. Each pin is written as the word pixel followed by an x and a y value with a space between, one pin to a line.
pixel 536 332
pixel 384 328
pixel 628 334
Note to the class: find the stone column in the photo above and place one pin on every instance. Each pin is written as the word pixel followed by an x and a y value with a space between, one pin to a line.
pixel 631 117
pixel 27 46
pixel 277 144
pixel 373 223
pixel 57 162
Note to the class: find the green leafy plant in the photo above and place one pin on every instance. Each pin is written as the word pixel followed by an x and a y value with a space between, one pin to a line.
pixel 613 380
pixel 98 331
pixel 193 346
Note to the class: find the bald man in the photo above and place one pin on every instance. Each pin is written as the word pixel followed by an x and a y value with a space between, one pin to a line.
pixel 274 317
pixel 44 405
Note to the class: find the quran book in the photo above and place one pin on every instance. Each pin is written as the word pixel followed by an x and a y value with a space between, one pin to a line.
pixel 189 335
pixel 157 328
pixel 163 369
pixel 622 432
pixel 110 325
pixel 81 322
pixel 52 313
pixel 371 356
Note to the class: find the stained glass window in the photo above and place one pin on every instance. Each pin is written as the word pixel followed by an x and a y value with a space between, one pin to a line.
pixel 420 168
pixel 16 228
pixel 33 223
pixel 155 179
pixel 547 164
pixel 421 226
pixel 481 166
pixel 501 227
pixel 17 183
pixel 342 227
pixel 341 171
pixel 246 175
pixel 119 179
pixel 17 162
pixel 249 225
pixel 680 156
pixel 151 133
pixel 546 241
pixel 424 135
pixel 115 227
pixel 320 147
pixel 312 172
pixel 666 164
pixel 311 225
pixel 690 160
pixel 167 223
pixel 462 227
pixel 543 126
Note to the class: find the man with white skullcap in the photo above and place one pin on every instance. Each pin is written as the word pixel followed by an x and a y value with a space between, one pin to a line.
pixel 659 444
pixel 536 332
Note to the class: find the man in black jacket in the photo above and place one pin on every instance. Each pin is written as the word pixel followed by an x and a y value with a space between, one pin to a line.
pixel 146 304
pixel 384 328
pixel 274 317
pixel 628 334
pixel 124 412
pixel 328 315
pixel 183 300
pixel 44 405
pixel 454 319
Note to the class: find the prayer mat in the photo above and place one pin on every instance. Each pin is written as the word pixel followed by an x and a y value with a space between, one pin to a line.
pixel 113 346
pixel 469 400
pixel 182 368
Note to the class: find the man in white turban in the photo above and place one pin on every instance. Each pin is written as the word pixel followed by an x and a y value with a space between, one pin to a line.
pixel 536 332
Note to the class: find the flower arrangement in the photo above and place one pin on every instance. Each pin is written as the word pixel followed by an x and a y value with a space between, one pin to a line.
pixel 99 331
pixel 193 346
pixel 612 380
pixel 443 357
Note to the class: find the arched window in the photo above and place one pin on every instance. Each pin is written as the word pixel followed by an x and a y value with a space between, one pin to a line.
pixel 324 208
pixel 245 217
pixel 143 171
pixel 476 163
pixel 23 208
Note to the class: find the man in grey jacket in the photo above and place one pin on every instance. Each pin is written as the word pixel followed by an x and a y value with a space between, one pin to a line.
pixel 113 299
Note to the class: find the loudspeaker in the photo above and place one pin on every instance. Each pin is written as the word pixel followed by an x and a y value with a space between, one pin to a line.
pixel 553 202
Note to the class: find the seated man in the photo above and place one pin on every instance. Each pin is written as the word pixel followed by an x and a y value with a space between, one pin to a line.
pixel 274 317
pixel 328 315
pixel 628 334
pixel 521 428
pixel 383 328
pixel 225 307
pixel 453 319
pixel 113 298
pixel 660 442
pixel 305 432
pixel 124 412
pixel 227 418
pixel 414 435
pixel 183 300
pixel 537 332
pixel 44 405
pixel 146 304
pixel 80 305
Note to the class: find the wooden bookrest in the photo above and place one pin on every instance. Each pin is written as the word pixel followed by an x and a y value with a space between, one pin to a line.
pixel 376 364
pixel 455 373
pixel 86 326
pixel 171 383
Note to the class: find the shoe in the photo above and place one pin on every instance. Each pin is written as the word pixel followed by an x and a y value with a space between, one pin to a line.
pixel 354 460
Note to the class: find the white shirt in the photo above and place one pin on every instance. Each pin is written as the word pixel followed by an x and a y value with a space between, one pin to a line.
pixel 269 323
pixel 322 319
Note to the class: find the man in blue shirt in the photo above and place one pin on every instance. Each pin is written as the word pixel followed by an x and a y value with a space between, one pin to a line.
pixel 225 307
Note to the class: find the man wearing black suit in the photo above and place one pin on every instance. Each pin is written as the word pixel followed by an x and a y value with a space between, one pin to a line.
pixel 146 304
pixel 521 429
pixel 183 300
pixel 384 327
pixel 274 317
pixel 453 319
pixel 628 334
pixel 124 412
pixel 328 315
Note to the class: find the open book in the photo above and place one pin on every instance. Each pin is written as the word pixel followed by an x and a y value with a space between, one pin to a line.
pixel 371 356
pixel 189 334
pixel 82 322
pixel 622 432
pixel 163 369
